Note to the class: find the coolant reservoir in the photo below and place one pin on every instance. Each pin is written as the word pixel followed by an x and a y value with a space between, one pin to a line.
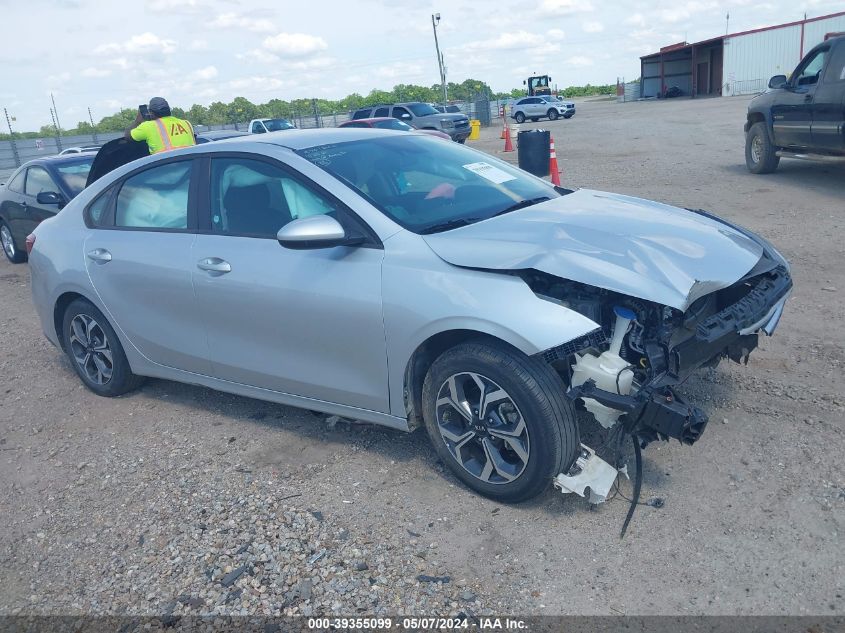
pixel 609 370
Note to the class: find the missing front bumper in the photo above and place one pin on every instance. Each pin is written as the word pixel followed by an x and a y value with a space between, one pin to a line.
pixel 652 414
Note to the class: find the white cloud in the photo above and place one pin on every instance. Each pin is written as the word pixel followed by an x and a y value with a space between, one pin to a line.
pixel 592 27
pixel 95 72
pixel 258 83
pixel 579 61
pixel 295 44
pixel 564 7
pixel 198 45
pixel 176 6
pixel 138 44
pixel 237 21
pixel 60 78
pixel 260 56
pixel 209 72
pixel 555 34
pixel 509 41
pixel 637 19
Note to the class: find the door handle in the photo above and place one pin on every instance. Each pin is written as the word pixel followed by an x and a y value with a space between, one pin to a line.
pixel 214 265
pixel 100 255
pixel 24 205
pixel 808 98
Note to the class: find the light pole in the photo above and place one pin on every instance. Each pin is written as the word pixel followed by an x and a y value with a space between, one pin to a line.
pixel 435 20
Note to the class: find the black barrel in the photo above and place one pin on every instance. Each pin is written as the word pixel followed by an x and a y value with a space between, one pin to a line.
pixel 534 151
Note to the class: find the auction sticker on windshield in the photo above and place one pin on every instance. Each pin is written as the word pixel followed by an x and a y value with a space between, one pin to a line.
pixel 493 174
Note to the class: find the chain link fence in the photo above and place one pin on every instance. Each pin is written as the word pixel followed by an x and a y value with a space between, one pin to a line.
pixel 14 153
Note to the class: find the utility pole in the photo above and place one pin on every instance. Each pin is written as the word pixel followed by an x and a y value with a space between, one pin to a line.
pixel 93 128
pixel 12 139
pixel 56 127
pixel 435 20
pixel 727 22
pixel 56 122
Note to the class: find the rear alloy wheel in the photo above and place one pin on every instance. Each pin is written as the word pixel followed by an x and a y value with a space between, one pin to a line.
pixel 95 351
pixel 519 117
pixel 760 154
pixel 9 247
pixel 499 420
pixel 553 114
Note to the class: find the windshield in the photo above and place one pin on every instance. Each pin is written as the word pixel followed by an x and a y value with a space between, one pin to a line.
pixel 274 125
pixel 421 109
pixel 393 124
pixel 75 175
pixel 426 185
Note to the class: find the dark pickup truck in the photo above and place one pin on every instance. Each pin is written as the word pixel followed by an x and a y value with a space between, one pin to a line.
pixel 803 116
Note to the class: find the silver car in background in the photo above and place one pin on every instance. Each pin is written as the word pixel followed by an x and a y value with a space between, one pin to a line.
pixel 393 278
pixel 541 107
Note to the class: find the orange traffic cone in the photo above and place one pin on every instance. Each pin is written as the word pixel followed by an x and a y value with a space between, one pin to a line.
pixel 508 144
pixel 553 163
pixel 504 128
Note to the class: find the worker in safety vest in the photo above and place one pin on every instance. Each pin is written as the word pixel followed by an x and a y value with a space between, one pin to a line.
pixel 161 130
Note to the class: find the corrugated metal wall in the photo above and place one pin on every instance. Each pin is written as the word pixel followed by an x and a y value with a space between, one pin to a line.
pixel 814 32
pixel 756 56
pixel 750 60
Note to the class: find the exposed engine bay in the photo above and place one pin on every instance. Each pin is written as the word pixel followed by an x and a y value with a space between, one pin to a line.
pixel 625 369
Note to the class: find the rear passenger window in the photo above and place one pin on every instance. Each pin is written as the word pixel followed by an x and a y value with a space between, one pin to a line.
pixel 156 198
pixel 97 209
pixel 381 112
pixel 16 184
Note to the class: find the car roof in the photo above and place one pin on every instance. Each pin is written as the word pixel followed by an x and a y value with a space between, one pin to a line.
pixel 50 161
pixel 222 133
pixel 296 140
pixel 374 119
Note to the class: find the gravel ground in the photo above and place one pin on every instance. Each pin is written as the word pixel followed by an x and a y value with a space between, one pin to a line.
pixel 176 499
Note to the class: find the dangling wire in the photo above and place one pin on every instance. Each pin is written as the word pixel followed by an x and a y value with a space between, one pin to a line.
pixel 638 483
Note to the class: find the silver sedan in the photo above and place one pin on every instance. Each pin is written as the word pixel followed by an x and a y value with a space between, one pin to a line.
pixel 393 278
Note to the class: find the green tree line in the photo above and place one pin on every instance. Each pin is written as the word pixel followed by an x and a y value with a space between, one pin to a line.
pixel 241 110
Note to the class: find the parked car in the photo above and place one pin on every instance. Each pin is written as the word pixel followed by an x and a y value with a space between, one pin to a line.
pixel 389 123
pixel 568 105
pixel 35 192
pixel 801 117
pixel 403 281
pixel 78 150
pixel 422 116
pixel 262 126
pixel 536 108
pixel 218 135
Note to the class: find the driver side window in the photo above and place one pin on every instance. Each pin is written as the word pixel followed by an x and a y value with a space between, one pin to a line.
pixel 809 75
pixel 38 181
pixel 255 199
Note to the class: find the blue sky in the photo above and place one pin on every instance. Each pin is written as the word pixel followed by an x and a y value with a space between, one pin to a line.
pixel 108 55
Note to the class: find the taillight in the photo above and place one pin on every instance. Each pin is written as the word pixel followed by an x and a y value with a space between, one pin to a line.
pixel 30 242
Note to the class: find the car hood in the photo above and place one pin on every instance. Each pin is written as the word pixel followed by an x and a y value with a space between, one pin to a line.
pixel 628 245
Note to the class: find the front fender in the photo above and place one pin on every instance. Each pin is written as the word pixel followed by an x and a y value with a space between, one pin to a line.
pixel 424 296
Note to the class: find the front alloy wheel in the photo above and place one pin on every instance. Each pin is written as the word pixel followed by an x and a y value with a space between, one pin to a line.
pixel 498 419
pixel 482 428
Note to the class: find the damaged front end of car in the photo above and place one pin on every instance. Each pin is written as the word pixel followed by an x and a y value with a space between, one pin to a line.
pixel 623 372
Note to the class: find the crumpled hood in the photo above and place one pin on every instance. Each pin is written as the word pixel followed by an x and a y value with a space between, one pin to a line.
pixel 628 245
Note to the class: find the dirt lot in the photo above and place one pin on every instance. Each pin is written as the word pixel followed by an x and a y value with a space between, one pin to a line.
pixel 151 503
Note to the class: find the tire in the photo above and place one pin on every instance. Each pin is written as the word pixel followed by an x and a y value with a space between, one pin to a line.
pixel 531 410
pixel 11 250
pixel 519 117
pixel 535 119
pixel 88 341
pixel 553 115
pixel 760 156
pixel 462 141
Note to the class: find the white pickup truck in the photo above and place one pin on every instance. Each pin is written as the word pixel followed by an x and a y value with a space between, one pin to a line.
pixel 260 126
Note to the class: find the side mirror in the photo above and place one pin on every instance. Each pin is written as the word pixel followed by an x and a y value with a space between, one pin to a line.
pixel 50 197
pixel 404 115
pixel 316 231
pixel 778 81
